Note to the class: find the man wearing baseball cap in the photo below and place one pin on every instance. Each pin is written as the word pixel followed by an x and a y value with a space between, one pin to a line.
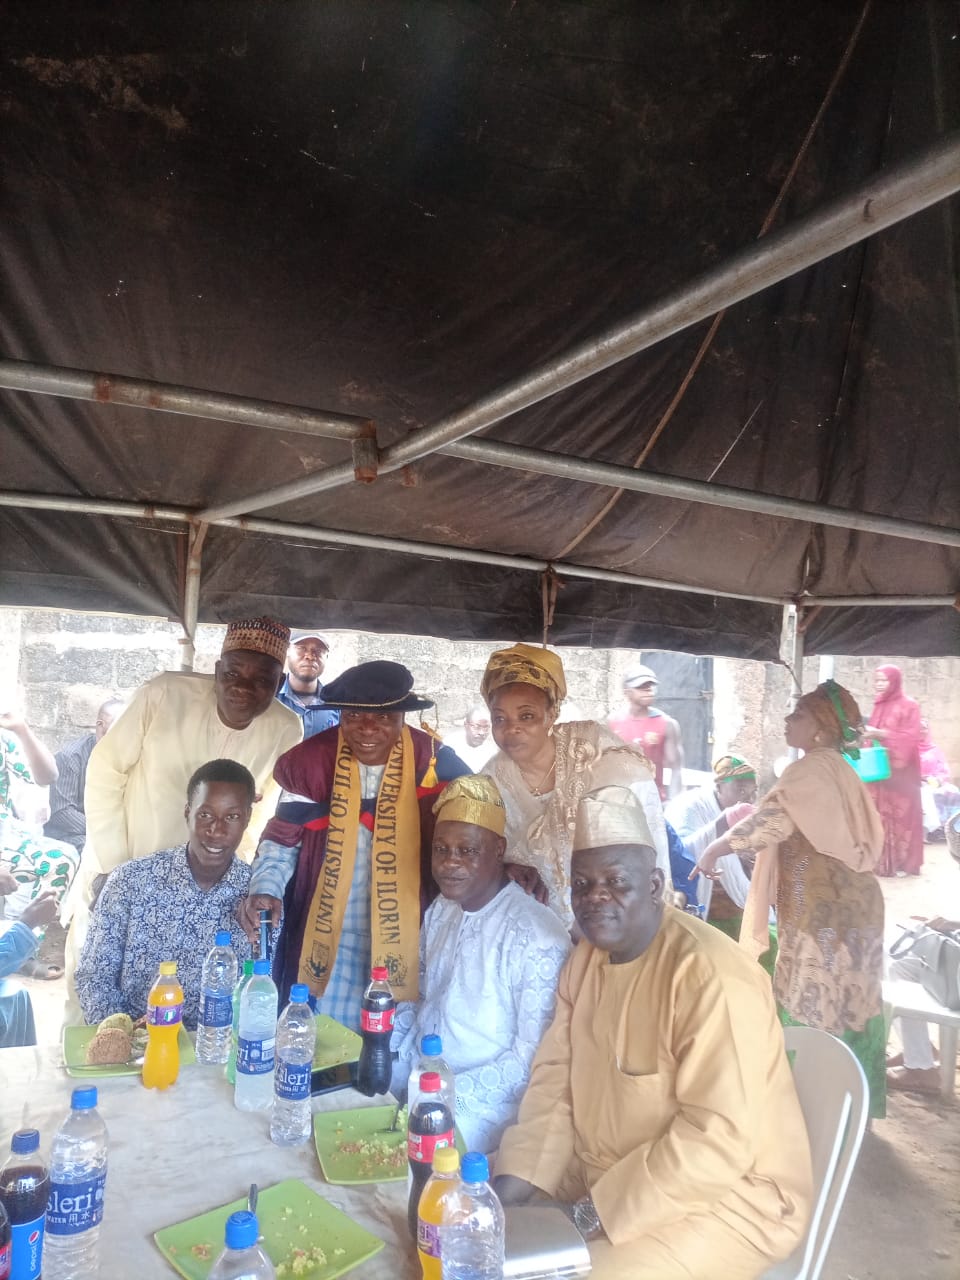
pixel 644 725
pixel 301 690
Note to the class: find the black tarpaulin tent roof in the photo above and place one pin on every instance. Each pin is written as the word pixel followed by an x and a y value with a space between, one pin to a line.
pixel 392 211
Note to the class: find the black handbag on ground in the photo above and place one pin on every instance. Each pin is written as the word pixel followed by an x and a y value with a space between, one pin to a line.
pixel 939 954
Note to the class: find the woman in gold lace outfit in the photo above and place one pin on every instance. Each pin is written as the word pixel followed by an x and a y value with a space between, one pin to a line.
pixel 543 768
pixel 817 838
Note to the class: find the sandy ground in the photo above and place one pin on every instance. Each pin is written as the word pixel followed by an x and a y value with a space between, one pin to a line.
pixel 902 1214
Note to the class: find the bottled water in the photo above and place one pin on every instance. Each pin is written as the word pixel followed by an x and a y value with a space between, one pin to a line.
pixel 78 1172
pixel 242 1259
pixel 256 1041
pixel 431 1059
pixel 296 1041
pixel 215 1020
pixel 230 1070
pixel 472 1230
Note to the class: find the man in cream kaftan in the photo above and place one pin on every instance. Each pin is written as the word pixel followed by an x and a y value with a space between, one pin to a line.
pixel 661 1102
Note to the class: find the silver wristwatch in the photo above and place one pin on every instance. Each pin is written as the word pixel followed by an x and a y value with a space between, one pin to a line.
pixel 586 1219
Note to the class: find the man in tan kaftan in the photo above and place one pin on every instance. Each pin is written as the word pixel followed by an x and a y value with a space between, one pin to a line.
pixel 661 1107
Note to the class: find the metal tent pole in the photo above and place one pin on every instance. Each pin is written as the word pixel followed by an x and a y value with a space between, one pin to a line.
pixel 882 201
pixel 191 596
pixel 110 388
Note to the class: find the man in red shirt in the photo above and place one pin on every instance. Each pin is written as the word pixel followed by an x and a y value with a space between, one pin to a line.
pixel 655 732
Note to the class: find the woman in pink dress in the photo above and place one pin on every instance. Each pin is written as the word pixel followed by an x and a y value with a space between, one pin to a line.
pixel 895 724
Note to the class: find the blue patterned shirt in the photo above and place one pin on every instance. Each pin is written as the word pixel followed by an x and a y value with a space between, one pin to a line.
pixel 152 910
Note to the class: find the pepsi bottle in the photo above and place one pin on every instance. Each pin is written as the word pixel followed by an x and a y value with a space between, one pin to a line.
pixel 376 1026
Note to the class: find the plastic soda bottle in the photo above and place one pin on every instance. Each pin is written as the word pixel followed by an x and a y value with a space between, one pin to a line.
pixel 217 981
pixel 443 1183
pixel 242 1258
pixel 24 1191
pixel 292 1117
pixel 377 1010
pixel 161 1062
pixel 429 1126
pixel 78 1175
pixel 6 1246
pixel 256 1041
pixel 473 1228
pixel 231 1068
pixel 431 1059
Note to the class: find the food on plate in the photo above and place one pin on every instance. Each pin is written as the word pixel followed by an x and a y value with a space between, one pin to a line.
pixel 301 1262
pixel 121 1020
pixel 111 1047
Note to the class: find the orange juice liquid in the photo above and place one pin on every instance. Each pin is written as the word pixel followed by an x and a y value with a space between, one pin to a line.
pixel 161 1062
pixel 438 1187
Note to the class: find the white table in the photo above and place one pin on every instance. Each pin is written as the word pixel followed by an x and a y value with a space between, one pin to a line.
pixel 187 1150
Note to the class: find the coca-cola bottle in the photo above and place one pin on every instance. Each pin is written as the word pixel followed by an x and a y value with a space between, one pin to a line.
pixel 430 1125
pixel 376 1025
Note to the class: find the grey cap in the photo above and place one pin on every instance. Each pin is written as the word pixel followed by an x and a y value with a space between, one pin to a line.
pixel 299 636
pixel 636 677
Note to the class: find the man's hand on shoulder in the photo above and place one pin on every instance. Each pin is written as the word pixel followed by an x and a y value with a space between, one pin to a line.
pixel 248 910
pixel 529 880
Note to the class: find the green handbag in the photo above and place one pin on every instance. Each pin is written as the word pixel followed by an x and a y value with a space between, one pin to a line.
pixel 873 765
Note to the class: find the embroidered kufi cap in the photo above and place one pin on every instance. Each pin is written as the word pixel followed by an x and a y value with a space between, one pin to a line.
pixel 733 767
pixel 610 815
pixel 258 635
pixel 374 686
pixel 525 664
pixel 474 798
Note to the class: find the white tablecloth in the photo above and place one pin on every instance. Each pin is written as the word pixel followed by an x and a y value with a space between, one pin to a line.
pixel 187 1150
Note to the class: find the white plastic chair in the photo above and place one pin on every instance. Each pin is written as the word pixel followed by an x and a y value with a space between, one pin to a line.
pixel 902 999
pixel 834 1100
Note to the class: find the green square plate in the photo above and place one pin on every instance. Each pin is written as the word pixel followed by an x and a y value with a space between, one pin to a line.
pixel 386 1162
pixel 192 1247
pixel 335 1044
pixel 74 1046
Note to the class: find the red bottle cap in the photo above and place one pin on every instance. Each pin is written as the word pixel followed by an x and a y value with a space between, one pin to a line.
pixel 379 973
pixel 430 1082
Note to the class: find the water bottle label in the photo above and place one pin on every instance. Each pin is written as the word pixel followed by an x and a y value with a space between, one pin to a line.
pixel 164 1015
pixel 27 1241
pixel 421 1146
pixel 378 1020
pixel 428 1238
pixel 75 1206
pixel 255 1057
pixel 217 1010
pixel 291 1081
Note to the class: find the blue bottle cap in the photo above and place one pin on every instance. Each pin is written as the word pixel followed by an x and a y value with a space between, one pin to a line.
pixel 261 966
pixel 84 1099
pixel 299 993
pixel 431 1046
pixel 223 938
pixel 24 1141
pixel 474 1167
pixel 242 1230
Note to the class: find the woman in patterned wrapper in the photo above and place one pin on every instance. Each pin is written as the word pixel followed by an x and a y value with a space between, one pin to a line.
pixel 817 838
pixel 544 768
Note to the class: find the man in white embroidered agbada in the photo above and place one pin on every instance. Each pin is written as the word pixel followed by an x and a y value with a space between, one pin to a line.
pixel 490 958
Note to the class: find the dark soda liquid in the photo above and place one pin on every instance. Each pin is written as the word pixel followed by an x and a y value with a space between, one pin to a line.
pixel 375 1068
pixel 24 1191
pixel 430 1119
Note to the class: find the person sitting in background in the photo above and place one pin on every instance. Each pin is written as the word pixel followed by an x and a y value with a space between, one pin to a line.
pixel 939 798
pixel 473 743
pixel 67 819
pixel 18 944
pixel 661 1110
pixel 37 865
pixel 490 958
pixel 301 690
pixel 705 813
pixel 171 905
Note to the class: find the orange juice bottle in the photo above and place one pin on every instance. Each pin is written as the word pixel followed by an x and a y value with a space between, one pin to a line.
pixel 161 1062
pixel 443 1183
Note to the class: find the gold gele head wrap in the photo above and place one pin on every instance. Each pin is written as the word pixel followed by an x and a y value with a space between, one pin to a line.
pixel 835 709
pixel 733 768
pixel 611 815
pixel 258 635
pixel 525 664
pixel 473 798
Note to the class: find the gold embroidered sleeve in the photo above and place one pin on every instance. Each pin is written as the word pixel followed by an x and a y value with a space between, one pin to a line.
pixel 769 825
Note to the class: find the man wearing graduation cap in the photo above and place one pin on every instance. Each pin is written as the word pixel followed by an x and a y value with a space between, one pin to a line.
pixel 347 856
pixel 661 1109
